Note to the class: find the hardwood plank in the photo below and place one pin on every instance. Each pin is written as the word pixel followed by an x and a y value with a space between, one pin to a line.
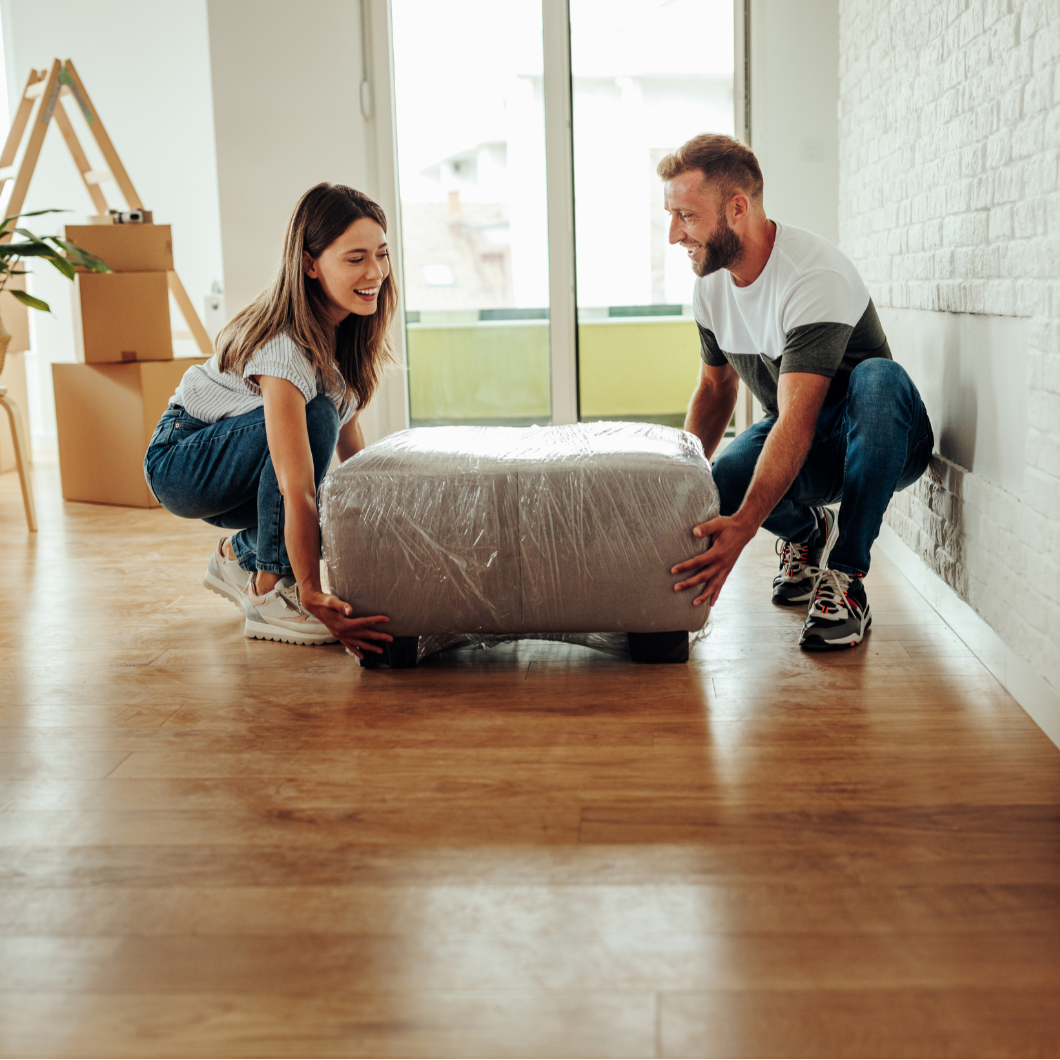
pixel 211 846
pixel 442 1023
pixel 487 909
pixel 927 1021
pixel 309 964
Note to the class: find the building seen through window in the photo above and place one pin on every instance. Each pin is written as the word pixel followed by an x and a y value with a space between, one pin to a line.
pixel 646 75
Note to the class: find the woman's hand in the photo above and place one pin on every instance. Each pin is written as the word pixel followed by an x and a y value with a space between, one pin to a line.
pixel 355 634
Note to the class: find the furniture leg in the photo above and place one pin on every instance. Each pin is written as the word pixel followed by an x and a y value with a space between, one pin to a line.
pixel 398 654
pixel 670 647
pixel 18 436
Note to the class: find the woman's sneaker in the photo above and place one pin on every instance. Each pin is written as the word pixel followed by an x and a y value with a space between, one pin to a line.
pixel 226 577
pixel 279 615
pixel 801 563
pixel 839 616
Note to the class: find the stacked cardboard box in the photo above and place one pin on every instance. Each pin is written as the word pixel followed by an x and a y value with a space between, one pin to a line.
pixel 107 405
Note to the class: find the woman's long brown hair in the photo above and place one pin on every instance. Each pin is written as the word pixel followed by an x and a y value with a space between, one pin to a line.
pixel 296 306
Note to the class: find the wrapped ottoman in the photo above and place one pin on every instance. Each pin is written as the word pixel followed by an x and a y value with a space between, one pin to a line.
pixel 510 530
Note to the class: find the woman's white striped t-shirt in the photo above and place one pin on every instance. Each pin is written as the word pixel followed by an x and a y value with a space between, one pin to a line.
pixel 211 395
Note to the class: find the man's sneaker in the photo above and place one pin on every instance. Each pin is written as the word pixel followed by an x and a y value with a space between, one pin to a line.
pixel 226 577
pixel 800 564
pixel 839 616
pixel 279 615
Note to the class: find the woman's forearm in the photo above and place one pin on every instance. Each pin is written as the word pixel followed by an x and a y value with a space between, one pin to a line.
pixel 351 440
pixel 301 534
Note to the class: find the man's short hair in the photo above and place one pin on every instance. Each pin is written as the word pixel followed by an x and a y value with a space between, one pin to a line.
pixel 725 162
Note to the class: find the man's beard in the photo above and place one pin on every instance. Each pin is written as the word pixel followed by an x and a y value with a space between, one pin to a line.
pixel 723 250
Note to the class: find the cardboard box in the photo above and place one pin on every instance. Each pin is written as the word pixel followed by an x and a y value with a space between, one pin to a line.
pixel 14 378
pixel 121 317
pixel 127 248
pixel 106 415
pixel 15 315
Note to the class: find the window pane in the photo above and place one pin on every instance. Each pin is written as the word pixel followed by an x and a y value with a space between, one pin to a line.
pixel 471 170
pixel 647 75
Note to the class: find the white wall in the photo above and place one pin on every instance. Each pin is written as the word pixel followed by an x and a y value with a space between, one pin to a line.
pixel 794 92
pixel 287 113
pixel 146 67
pixel 950 206
pixel 287 116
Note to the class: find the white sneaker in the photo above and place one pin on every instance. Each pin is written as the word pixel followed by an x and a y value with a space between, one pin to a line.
pixel 226 577
pixel 279 615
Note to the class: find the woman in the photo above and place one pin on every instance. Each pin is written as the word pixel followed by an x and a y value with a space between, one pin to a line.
pixel 248 436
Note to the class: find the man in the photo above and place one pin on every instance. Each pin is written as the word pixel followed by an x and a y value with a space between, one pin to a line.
pixel 786 312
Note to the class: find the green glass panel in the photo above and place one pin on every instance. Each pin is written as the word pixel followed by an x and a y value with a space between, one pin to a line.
pixel 483 372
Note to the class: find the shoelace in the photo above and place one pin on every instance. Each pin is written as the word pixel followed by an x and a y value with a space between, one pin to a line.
pixel 831 592
pixel 289 595
pixel 793 556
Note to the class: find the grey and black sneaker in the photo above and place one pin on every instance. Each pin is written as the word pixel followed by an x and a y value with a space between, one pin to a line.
pixel 802 561
pixel 839 616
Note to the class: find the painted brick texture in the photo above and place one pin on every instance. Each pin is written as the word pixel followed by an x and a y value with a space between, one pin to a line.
pixel 949 134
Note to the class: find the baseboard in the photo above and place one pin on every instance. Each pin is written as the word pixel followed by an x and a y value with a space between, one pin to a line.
pixel 1033 693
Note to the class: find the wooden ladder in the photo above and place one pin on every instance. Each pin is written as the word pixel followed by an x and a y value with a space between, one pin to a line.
pixel 50 86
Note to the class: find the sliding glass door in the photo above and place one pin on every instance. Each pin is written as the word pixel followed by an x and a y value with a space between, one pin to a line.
pixel 647 75
pixel 471 176
pixel 476 194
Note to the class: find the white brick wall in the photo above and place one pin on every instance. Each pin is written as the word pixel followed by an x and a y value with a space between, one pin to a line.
pixel 949 199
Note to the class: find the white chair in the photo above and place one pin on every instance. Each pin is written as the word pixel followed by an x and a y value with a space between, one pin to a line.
pixel 18 436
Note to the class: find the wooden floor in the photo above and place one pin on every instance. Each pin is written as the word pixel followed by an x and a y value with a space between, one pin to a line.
pixel 215 846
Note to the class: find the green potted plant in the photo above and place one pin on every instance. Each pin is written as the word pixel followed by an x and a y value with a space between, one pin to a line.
pixel 67 257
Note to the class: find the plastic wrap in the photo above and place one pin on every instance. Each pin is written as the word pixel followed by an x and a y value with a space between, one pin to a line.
pixel 491 531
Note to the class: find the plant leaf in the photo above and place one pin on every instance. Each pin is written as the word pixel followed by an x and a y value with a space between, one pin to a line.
pixel 33 303
pixel 79 256
pixel 27 250
pixel 34 213
pixel 64 266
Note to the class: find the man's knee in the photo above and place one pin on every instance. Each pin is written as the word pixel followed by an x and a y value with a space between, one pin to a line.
pixel 877 378
pixel 879 388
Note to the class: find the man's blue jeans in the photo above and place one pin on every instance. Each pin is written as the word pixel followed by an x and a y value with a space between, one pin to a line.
pixel 222 472
pixel 873 442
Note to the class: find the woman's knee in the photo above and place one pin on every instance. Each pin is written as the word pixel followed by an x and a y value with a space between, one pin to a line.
pixel 322 423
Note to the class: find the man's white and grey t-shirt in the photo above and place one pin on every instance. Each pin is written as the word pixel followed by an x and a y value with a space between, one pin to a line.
pixel 808 311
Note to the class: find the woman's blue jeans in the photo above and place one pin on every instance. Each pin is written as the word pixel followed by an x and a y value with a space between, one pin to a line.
pixel 867 446
pixel 222 472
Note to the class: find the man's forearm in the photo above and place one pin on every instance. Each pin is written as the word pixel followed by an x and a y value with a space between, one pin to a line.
pixel 780 461
pixel 709 414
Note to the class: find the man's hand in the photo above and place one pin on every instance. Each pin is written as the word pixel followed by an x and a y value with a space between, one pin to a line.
pixel 729 536
pixel 354 633
pixel 800 396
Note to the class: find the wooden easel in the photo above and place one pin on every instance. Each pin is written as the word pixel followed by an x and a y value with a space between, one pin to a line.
pixel 49 87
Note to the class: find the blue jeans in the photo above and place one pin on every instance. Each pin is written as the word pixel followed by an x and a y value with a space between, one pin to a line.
pixel 222 472
pixel 873 442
